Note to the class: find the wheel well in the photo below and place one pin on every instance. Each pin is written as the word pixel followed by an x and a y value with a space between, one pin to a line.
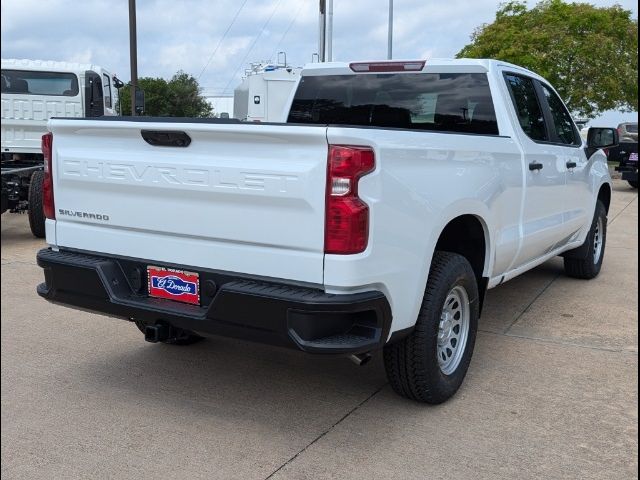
pixel 465 236
pixel 604 195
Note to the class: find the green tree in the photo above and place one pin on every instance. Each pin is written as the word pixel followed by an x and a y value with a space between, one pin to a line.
pixel 589 54
pixel 179 97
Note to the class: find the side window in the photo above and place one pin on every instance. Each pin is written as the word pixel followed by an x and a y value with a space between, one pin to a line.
pixel 107 90
pixel 523 93
pixel 563 125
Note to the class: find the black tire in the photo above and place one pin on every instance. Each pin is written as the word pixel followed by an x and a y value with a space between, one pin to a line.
pixel 36 213
pixel 412 365
pixel 181 337
pixel 582 262
pixel 633 183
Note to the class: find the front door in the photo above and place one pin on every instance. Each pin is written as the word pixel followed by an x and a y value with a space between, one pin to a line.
pixel 545 183
pixel 578 197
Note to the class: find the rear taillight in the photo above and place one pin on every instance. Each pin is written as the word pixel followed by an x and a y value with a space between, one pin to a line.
pixel 47 186
pixel 347 216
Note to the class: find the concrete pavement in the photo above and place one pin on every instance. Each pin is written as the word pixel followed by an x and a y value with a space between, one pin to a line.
pixel 552 391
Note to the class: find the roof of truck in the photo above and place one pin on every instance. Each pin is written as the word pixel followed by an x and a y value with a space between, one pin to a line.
pixel 48 65
pixel 439 64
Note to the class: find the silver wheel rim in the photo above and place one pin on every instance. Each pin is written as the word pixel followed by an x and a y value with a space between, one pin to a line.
pixel 597 241
pixel 453 330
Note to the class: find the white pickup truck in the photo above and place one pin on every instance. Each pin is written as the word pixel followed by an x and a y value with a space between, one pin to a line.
pixel 377 217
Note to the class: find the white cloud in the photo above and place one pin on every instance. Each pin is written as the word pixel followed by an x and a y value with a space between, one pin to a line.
pixel 181 35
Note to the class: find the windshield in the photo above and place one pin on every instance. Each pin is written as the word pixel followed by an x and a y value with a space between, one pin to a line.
pixel 453 102
pixel 39 83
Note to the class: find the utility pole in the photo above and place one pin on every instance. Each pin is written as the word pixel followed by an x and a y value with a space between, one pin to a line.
pixel 322 31
pixel 133 54
pixel 330 31
pixel 390 41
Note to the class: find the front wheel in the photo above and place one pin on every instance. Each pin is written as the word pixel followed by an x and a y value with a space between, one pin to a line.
pixel 430 364
pixel 586 261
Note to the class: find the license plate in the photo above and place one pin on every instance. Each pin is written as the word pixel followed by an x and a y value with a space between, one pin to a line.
pixel 633 157
pixel 174 284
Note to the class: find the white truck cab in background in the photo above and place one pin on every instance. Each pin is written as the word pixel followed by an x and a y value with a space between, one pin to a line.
pixel 33 91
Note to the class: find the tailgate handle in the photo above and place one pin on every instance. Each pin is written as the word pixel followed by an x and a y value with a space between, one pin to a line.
pixel 166 138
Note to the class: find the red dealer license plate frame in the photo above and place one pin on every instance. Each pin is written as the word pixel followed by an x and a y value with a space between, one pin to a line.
pixel 172 284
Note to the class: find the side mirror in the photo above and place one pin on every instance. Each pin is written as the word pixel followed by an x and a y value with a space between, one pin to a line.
pixel 117 82
pixel 602 138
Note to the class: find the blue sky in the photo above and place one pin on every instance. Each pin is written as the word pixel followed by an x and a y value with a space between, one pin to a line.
pixel 182 35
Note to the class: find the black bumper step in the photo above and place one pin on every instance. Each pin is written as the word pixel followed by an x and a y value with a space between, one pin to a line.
pixel 264 311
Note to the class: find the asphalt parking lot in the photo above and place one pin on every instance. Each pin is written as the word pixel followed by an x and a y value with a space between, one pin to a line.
pixel 552 391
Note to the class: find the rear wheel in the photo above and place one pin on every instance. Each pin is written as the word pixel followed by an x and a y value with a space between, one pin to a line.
pixel 430 364
pixel 36 212
pixel 586 261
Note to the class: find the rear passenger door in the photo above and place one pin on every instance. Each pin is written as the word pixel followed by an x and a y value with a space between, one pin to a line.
pixel 543 226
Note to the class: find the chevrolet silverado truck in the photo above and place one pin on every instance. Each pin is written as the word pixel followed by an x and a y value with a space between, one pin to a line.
pixel 375 218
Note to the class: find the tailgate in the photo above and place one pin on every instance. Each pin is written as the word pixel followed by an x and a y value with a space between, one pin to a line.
pixel 242 198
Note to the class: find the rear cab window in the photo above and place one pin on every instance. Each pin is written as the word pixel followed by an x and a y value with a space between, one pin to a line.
pixel 27 82
pixel 444 102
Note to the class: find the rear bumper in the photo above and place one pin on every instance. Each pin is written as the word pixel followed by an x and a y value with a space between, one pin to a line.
pixel 629 173
pixel 267 312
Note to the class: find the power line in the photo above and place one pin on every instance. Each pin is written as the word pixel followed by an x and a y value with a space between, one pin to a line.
pixel 215 50
pixel 293 20
pixel 252 45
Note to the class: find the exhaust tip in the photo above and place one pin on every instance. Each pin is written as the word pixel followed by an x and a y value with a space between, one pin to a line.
pixel 361 359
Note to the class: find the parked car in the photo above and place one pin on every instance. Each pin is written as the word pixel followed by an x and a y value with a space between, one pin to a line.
pixel 376 218
pixel 32 92
pixel 629 164
pixel 628 133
